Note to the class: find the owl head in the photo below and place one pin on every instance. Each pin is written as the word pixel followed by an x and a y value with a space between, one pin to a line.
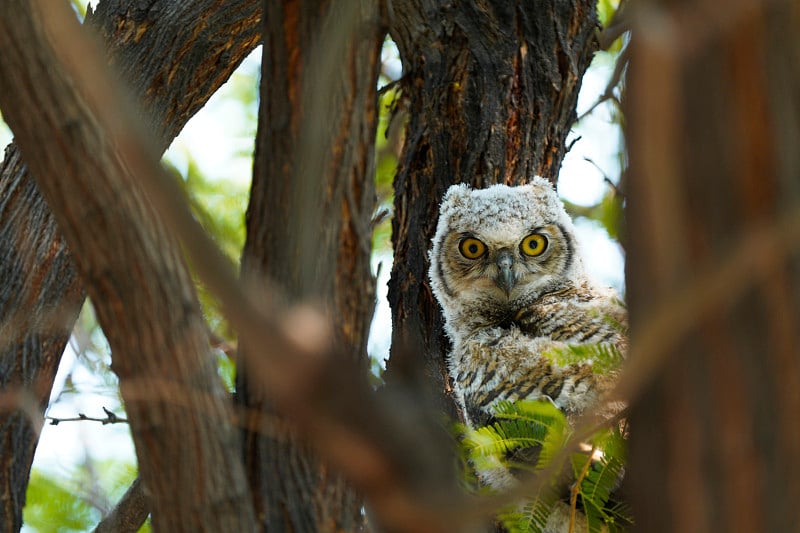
pixel 498 249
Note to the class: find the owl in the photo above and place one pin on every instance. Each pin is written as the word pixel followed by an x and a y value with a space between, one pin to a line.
pixel 507 270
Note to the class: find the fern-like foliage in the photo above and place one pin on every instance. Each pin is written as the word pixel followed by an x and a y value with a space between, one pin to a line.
pixel 597 485
pixel 527 436
pixel 524 425
pixel 604 357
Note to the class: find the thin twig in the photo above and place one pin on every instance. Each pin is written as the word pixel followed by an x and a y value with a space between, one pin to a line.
pixel 573 497
pixel 613 82
pixel 573 141
pixel 617 26
pixel 379 216
pixel 600 170
pixel 110 418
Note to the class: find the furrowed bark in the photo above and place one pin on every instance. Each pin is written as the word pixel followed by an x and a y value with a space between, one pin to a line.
pixel 714 233
pixel 308 229
pixel 175 55
pixel 491 92
pixel 130 513
pixel 172 56
pixel 40 298
pixel 56 99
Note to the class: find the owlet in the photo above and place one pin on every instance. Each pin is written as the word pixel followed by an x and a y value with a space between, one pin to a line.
pixel 508 273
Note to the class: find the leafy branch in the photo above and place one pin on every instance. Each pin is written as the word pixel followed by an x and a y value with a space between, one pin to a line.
pixel 523 427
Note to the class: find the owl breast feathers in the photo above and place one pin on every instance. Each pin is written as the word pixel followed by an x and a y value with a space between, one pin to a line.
pixel 508 273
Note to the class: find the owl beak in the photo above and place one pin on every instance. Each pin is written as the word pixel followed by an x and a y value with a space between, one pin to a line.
pixel 505 276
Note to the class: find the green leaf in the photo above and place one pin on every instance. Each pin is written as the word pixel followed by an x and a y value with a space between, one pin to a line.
pixel 606 10
pixel 520 425
pixel 52 507
pixel 532 516
pixel 610 214
pixel 226 368
pixel 604 357
pixel 540 424
pixel 219 206
pixel 600 481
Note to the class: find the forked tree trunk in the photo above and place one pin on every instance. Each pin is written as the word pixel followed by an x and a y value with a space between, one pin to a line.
pixel 308 230
pixel 492 97
pixel 40 292
pixel 713 266
pixel 491 90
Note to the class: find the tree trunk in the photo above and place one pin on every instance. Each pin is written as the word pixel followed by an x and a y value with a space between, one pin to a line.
pixel 39 309
pixel 40 298
pixel 308 229
pixel 713 267
pixel 491 91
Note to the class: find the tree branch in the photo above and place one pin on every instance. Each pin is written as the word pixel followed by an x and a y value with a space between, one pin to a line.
pixel 50 77
pixel 326 396
pixel 41 294
pixel 377 442
pixel 129 514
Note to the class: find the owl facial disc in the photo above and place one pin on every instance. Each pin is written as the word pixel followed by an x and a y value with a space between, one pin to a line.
pixel 498 249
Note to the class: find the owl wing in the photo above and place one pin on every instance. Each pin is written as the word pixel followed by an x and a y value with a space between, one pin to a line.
pixel 520 362
pixel 510 367
pixel 575 315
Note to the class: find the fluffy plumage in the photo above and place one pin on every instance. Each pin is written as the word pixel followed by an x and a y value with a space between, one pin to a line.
pixel 507 270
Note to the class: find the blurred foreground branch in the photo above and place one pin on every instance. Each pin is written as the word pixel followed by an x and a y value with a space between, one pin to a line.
pixel 330 401
pixel 143 294
pixel 41 293
pixel 713 274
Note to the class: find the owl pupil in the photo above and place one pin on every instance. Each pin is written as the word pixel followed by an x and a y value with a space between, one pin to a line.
pixel 473 248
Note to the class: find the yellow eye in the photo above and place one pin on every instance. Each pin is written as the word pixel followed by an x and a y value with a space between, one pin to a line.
pixel 533 245
pixel 471 248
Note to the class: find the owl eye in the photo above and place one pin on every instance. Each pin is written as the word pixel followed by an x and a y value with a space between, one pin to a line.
pixel 533 245
pixel 471 248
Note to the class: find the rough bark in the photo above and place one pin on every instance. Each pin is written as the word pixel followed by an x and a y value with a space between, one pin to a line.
pixel 52 126
pixel 172 56
pixel 308 229
pixel 129 514
pixel 40 297
pixel 491 90
pixel 713 267
pixel 41 293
